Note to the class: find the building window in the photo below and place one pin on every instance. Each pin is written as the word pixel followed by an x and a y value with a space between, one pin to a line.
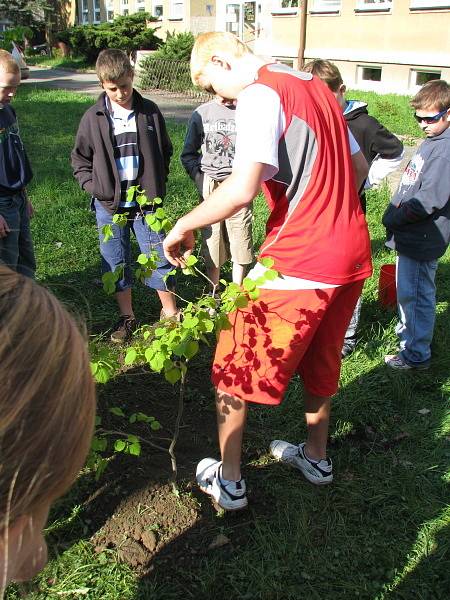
pixel 325 6
pixel 158 10
pixel 110 15
pixel 125 12
pixel 84 12
pixel 373 5
pixel 97 11
pixel 176 9
pixel 419 78
pixel 369 74
pixel 429 4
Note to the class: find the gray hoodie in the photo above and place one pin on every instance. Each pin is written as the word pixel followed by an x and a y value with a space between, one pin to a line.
pixel 210 142
pixel 418 217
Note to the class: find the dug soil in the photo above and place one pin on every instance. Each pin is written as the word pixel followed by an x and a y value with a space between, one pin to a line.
pixel 134 510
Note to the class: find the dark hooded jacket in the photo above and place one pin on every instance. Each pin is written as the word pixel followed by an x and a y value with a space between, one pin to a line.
pixel 93 160
pixel 15 169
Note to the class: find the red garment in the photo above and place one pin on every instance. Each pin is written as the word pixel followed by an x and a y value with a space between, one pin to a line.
pixel 316 229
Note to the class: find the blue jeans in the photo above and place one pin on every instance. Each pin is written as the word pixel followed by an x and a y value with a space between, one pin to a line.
pixel 16 249
pixel 416 301
pixel 116 252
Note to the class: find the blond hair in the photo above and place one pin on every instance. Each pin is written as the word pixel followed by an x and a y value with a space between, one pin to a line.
pixel 47 398
pixel 112 65
pixel 8 64
pixel 434 94
pixel 207 45
pixel 326 71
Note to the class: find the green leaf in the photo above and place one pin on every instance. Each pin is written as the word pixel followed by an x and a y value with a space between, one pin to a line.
pixel 271 275
pixel 116 410
pixel 133 418
pixel 130 356
pixel 254 295
pixel 241 301
pixel 155 425
pixel 157 200
pixel 131 191
pixel 107 232
pixel 191 260
pixel 156 226
pixel 134 449
pixel 120 445
pixel 94 367
pixel 173 375
pixel 142 259
pixel 160 213
pixel 150 219
pixel 103 374
pixel 191 349
pixel 267 262
pixel 99 444
pixel 249 284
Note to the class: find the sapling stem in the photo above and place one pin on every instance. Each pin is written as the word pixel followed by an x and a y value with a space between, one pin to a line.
pixel 176 432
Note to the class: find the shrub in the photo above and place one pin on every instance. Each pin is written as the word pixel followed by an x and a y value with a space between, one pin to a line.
pixel 178 46
pixel 128 33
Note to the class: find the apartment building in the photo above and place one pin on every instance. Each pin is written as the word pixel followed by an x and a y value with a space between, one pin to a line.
pixel 173 16
pixel 383 45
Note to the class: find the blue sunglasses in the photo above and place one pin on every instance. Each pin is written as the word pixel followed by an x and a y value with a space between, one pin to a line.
pixel 433 119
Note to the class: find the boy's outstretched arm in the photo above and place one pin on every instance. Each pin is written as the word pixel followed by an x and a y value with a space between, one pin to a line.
pixel 237 191
pixel 388 152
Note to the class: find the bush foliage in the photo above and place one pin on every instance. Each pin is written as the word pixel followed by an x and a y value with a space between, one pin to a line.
pixel 178 46
pixel 128 33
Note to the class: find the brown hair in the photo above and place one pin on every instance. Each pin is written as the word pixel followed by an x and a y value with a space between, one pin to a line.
pixel 47 398
pixel 325 70
pixel 207 44
pixel 112 65
pixel 7 63
pixel 434 94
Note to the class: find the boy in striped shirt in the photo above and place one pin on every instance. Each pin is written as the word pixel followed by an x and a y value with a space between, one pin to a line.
pixel 122 142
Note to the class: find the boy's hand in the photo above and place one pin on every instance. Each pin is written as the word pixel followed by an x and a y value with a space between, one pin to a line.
pixel 4 228
pixel 178 245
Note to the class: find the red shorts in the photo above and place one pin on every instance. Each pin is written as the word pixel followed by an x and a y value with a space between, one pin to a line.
pixel 282 333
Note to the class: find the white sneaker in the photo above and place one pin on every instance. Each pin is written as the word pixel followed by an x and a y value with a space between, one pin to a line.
pixel 231 496
pixel 319 473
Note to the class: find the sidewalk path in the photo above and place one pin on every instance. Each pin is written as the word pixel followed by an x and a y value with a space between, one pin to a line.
pixel 171 105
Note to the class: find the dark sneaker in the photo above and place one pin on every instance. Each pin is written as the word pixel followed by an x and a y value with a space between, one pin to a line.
pixel 230 496
pixel 348 347
pixel 123 330
pixel 319 473
pixel 395 361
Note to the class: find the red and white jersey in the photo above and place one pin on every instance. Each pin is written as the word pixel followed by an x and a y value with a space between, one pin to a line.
pixel 316 230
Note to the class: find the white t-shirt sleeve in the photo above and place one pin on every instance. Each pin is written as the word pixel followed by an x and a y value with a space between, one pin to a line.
pixel 354 146
pixel 260 123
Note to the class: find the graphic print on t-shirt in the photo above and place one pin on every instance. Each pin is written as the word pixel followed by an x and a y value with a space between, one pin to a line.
pixel 220 141
pixel 412 172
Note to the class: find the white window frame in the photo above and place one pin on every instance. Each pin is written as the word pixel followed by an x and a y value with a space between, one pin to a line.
pixel 374 5
pixel 176 10
pixel 279 9
pixel 158 4
pixel 109 11
pixel 368 83
pixel 325 6
pixel 429 4
pixel 413 85
pixel 97 11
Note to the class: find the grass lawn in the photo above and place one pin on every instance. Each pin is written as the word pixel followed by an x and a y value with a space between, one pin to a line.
pixel 67 62
pixel 381 531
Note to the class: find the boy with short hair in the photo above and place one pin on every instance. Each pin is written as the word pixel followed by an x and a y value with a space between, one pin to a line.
pixel 292 140
pixel 207 156
pixel 16 246
pixel 418 227
pixel 381 148
pixel 122 142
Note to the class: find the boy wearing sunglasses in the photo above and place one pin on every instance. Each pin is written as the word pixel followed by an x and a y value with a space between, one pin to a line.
pixel 418 227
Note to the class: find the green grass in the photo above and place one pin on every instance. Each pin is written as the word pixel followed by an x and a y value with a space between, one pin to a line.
pixel 393 110
pixel 380 532
pixel 76 62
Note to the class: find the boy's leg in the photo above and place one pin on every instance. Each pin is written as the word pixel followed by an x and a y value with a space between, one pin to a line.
pixel 350 334
pixel 317 415
pixel 26 263
pixel 115 255
pixel 416 299
pixel 150 241
pixel 231 419
pixel 239 230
